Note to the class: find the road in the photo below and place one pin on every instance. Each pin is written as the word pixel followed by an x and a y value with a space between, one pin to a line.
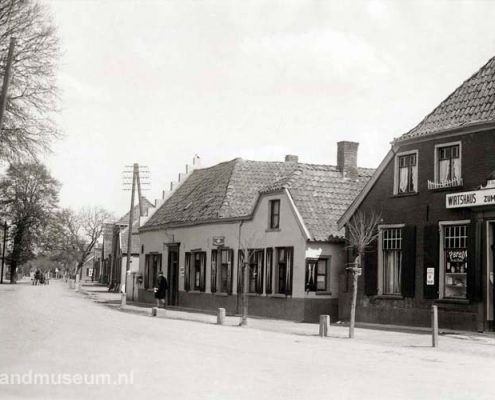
pixel 52 331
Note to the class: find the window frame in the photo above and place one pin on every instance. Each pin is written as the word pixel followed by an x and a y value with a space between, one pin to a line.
pixel 190 281
pixel 314 287
pixel 271 221
pixel 289 270
pixel 148 262
pixel 381 259
pixel 397 172
pixel 269 270
pixel 436 166
pixel 219 269
pixel 256 257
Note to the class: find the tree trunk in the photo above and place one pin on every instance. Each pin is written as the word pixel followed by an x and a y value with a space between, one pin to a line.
pixel 245 272
pixel 353 304
pixel 13 267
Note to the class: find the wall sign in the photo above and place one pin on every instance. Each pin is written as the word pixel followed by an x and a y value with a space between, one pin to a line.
pixel 182 270
pixel 475 198
pixel 218 240
pixel 430 276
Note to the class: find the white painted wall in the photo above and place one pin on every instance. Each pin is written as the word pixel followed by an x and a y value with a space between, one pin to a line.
pixel 257 235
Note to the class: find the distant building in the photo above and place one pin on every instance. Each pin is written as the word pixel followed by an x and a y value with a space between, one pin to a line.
pixel 435 191
pixel 280 218
pixel 114 247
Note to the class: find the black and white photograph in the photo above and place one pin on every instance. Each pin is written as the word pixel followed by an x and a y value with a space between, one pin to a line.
pixel 261 199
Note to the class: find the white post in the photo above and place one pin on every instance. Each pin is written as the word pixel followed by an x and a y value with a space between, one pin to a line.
pixel 434 326
pixel 221 316
pixel 324 323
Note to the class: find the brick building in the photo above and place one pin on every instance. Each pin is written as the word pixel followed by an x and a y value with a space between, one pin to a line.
pixel 435 192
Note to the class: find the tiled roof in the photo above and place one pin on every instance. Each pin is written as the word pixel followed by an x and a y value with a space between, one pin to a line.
pixel 471 103
pixel 322 195
pixel 231 190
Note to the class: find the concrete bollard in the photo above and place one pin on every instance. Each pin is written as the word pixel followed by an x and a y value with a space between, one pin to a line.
pixel 324 323
pixel 221 316
pixel 434 326
pixel 154 310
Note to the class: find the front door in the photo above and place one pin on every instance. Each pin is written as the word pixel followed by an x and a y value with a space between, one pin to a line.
pixel 173 275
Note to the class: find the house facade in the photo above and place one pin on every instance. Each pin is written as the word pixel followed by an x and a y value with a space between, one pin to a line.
pixel 435 193
pixel 278 219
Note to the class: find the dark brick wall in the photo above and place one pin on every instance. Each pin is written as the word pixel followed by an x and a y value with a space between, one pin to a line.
pixel 307 310
pixel 425 207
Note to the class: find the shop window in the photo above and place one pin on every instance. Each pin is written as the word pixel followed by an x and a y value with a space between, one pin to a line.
pixel 391 247
pixel 283 270
pixel 221 270
pixel 455 261
pixel 153 264
pixel 317 276
pixel 274 214
pixel 406 173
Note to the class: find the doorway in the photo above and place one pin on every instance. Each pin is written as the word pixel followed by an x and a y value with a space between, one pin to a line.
pixel 173 275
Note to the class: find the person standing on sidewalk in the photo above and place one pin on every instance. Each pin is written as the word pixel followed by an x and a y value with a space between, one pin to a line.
pixel 161 290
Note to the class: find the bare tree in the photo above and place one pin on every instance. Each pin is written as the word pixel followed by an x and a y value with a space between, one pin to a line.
pixel 74 236
pixel 28 126
pixel 362 230
pixel 247 245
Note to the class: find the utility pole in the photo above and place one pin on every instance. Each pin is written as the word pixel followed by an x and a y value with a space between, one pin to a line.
pixel 136 181
pixel 6 81
pixel 3 248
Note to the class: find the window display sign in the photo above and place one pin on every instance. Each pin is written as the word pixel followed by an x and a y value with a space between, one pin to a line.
pixel 475 198
pixel 459 256
pixel 430 276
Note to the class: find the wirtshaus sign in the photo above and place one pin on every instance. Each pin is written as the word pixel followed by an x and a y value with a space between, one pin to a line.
pixel 475 198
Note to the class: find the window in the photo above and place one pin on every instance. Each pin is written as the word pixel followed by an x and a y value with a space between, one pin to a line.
pixel 448 163
pixel 256 271
pixel 283 270
pixel 226 257
pixel 391 243
pixel 274 214
pixel 213 275
pixel 153 264
pixel 455 261
pixel 269 270
pixel 195 271
pixel 317 275
pixel 408 173
pixel 221 270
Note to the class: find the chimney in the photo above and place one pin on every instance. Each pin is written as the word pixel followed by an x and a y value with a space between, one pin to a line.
pixel 196 162
pixel 347 158
pixel 291 158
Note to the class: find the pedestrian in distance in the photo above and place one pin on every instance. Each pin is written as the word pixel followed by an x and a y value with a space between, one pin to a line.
pixel 37 277
pixel 161 290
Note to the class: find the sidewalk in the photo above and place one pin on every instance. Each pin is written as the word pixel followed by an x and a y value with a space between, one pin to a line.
pixel 383 334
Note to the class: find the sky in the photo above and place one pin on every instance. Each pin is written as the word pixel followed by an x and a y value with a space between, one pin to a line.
pixel 156 82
